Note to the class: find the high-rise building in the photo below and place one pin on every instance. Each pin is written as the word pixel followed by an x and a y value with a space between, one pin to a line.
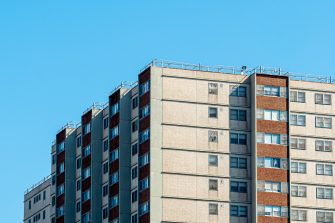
pixel 189 143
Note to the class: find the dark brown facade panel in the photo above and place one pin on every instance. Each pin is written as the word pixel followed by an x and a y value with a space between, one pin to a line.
pixel 265 219
pixel 60 200
pixel 114 120
pixel 272 174
pixel 144 147
pixel 61 157
pixel 274 103
pixel 114 143
pixel 145 99
pixel 60 178
pixel 145 123
pixel 86 184
pixel 145 218
pixel 60 219
pixel 113 213
pixel 113 166
pixel 86 162
pixel 272 126
pixel 144 76
pixel 276 199
pixel 270 80
pixel 144 196
pixel 86 140
pixel 114 98
pixel 86 206
pixel 60 137
pixel 86 118
pixel 114 189
pixel 276 151
pixel 144 172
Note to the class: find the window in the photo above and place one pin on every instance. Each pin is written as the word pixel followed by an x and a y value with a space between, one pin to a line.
pixel 114 109
pixel 324 193
pixel 143 208
pixel 29 205
pixel 134 218
pixel 144 159
pixel 86 217
pixel 323 145
pixel 237 186
pixel 105 123
pixel 104 213
pixel 324 169
pixel 60 190
pixel 299 215
pixel 78 141
pixel 86 173
pixel 78 163
pixel 272 91
pixel 212 136
pixel 60 211
pixel 299 120
pixel 114 155
pixel 78 185
pixel 323 99
pixel 43 214
pixel 298 191
pixel 213 209
pixel 134 172
pixel 238 162
pixel 134 149
pixel 239 91
pixel 298 143
pixel 272 138
pixel 53 180
pixel 134 126
pixel 323 122
pixel 238 115
pixel 238 211
pixel 105 168
pixel 238 138
pixel 213 184
pixel 114 178
pixel 212 112
pixel 86 195
pixel 269 162
pixel 87 128
pixel 144 87
pixel 134 102
pixel 105 190
pixel 274 211
pixel 213 160
pixel 60 168
pixel 53 159
pixel 213 88
pixel 44 195
pixel 114 132
pixel 144 111
pixel 60 147
pixel 105 144
pixel 298 167
pixel 271 115
pixel 144 135
pixel 297 96
pixel 53 201
pixel 322 216
pixel 134 196
pixel 87 151
pixel 144 184
pixel 269 138
pixel 271 186
pixel 78 206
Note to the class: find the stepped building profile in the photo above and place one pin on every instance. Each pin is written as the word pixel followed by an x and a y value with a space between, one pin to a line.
pixel 191 143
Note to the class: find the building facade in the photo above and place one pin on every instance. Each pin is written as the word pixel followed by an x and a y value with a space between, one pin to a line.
pixel 189 143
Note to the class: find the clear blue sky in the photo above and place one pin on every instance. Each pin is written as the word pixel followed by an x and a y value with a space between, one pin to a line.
pixel 58 57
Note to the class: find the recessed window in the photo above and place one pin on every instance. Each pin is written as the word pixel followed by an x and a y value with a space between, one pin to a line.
pixel 239 91
pixel 115 132
pixel 115 109
pixel 299 215
pixel 271 115
pixel 324 169
pixel 60 147
pixel 144 87
pixel 324 193
pixel 323 99
pixel 134 149
pixel 298 143
pixel 104 213
pixel 86 217
pixel 323 145
pixel 134 102
pixel 269 186
pixel 87 128
pixel 78 141
pixel 270 162
pixel 298 191
pixel 78 207
pixel 114 155
pixel 212 136
pixel 105 123
pixel 144 208
pixel 114 201
pixel 143 184
pixel 213 160
pixel 78 163
pixel 144 159
pixel 78 184
pixel 324 216
pixel 86 173
pixel 105 190
pixel 134 218
pixel 144 111
pixel 238 162
pixel 212 112
pixel 238 186
pixel 60 190
pixel 213 209
pixel 299 120
pixel 134 172
pixel 298 167
pixel 134 126
pixel 238 211
pixel 272 91
pixel 297 96
pixel 323 122
pixel 213 184
pixel 60 168
pixel 238 115
pixel 144 135
pixel 238 138
pixel 269 138
pixel 114 178
pixel 134 196
pixel 86 151
pixel 213 88
pixel 105 145
pixel 105 168
pixel 272 211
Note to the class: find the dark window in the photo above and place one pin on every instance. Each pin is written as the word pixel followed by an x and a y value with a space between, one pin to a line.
pixel 104 213
pixel 134 149
pixel 78 141
pixel 78 206
pixel 106 123
pixel 105 190
pixel 105 168
pixel 212 112
pixel 238 115
pixel 78 163
pixel 105 145
pixel 134 126
pixel 78 184
pixel 134 172
pixel 135 102
pixel 134 196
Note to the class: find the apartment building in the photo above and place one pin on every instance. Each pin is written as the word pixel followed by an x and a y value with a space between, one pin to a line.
pixel 189 143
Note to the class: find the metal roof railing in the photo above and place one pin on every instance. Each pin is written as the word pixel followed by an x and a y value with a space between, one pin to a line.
pixel 37 184
pixel 243 70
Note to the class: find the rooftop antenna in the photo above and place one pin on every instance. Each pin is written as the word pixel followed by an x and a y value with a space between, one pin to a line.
pixel 243 69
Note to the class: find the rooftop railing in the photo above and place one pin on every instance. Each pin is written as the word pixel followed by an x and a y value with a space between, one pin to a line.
pixel 243 70
pixel 37 184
